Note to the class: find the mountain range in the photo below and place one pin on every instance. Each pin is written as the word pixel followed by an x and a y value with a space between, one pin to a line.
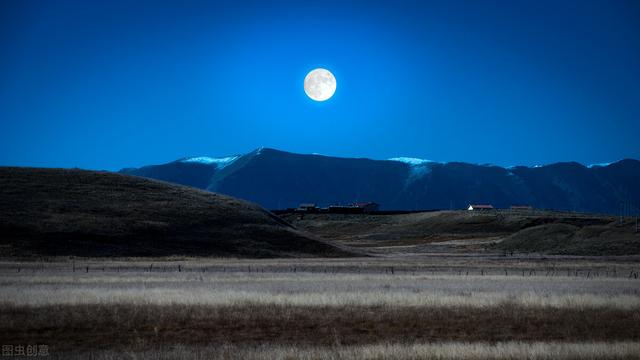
pixel 277 179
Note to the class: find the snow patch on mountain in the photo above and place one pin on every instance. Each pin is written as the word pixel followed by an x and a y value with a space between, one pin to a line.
pixel 220 162
pixel 411 161
pixel 419 167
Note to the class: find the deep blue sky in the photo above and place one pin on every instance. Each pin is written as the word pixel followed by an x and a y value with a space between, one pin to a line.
pixel 110 84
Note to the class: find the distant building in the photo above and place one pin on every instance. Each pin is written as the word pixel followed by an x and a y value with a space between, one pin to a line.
pixel 367 207
pixel 307 207
pixel 355 208
pixel 480 207
pixel 521 207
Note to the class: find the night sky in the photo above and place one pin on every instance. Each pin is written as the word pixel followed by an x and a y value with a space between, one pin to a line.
pixel 112 84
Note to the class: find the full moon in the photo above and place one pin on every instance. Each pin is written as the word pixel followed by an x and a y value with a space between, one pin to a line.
pixel 320 84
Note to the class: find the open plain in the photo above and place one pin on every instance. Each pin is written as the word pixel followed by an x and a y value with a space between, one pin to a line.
pixel 430 307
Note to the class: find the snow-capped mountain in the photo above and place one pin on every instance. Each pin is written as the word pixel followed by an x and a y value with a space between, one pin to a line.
pixel 277 179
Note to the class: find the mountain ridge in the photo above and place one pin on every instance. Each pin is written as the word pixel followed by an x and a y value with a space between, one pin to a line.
pixel 278 179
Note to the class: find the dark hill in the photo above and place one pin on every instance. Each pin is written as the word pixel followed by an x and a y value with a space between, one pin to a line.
pixel 86 213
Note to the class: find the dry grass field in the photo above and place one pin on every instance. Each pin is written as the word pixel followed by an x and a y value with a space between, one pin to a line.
pixel 440 307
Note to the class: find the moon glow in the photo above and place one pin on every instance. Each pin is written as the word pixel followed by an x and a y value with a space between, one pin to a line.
pixel 320 84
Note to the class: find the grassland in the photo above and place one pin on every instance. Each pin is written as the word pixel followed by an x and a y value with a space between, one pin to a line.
pixel 431 307
pixel 530 232
pixel 436 351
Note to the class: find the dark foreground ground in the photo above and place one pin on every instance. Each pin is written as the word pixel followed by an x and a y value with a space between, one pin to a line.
pixel 460 307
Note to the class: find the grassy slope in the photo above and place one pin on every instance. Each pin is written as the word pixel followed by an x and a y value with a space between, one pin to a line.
pixel 539 232
pixel 564 239
pixel 87 213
